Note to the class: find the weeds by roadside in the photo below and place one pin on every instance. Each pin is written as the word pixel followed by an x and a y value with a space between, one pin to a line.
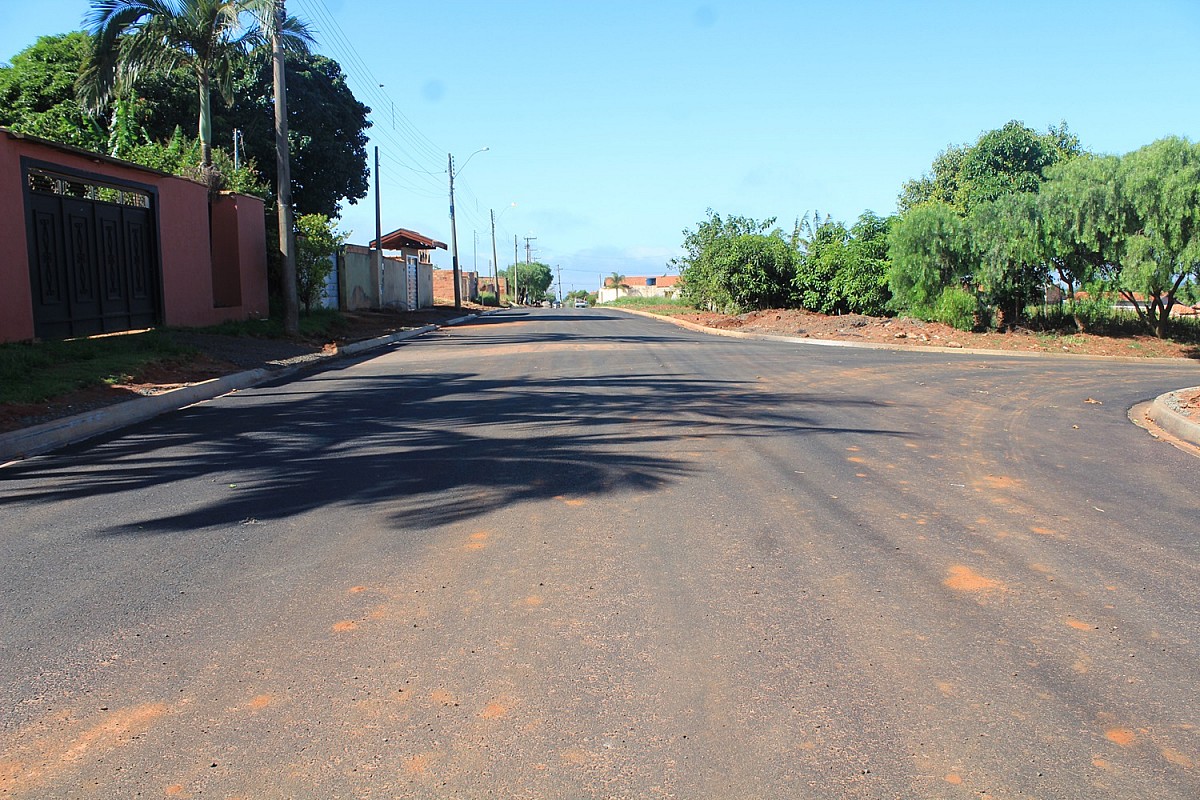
pixel 655 305
pixel 31 373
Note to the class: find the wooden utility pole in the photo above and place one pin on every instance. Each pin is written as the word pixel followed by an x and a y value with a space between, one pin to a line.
pixel 283 183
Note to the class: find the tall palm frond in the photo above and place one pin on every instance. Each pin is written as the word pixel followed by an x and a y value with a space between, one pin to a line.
pixel 203 36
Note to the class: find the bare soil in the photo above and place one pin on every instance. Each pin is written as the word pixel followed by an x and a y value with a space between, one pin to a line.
pixel 905 332
pixel 223 355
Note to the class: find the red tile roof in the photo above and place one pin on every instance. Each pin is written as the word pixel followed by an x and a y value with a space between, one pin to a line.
pixel 402 238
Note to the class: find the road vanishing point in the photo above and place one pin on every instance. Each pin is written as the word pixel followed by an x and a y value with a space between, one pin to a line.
pixel 578 554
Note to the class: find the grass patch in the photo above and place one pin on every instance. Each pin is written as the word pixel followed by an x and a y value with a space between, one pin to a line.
pixel 320 322
pixel 655 305
pixel 33 373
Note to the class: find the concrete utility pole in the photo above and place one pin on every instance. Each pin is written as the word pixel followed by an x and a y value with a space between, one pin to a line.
pixel 495 259
pixel 454 238
pixel 559 266
pixel 283 183
pixel 377 254
pixel 529 249
pixel 516 270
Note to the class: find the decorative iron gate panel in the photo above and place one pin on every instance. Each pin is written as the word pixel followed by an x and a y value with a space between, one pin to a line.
pixel 92 256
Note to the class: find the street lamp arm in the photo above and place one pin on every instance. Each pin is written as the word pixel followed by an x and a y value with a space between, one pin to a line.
pixel 468 161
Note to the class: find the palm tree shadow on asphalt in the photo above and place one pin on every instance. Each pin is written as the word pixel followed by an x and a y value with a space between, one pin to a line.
pixel 415 451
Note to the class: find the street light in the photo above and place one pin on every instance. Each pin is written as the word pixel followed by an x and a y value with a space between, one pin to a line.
pixel 453 228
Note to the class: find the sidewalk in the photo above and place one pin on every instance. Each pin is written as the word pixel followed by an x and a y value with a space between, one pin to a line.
pixel 261 360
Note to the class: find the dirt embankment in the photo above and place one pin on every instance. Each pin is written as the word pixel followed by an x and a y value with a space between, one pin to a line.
pixel 905 332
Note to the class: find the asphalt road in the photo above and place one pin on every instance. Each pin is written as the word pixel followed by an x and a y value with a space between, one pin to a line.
pixel 575 554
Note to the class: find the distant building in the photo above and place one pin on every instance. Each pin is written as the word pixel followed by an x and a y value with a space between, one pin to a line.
pixel 640 286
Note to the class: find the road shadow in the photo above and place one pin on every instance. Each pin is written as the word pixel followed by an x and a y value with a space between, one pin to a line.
pixel 416 451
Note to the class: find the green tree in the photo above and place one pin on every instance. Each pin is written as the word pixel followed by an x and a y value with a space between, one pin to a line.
pixel 1086 221
pixel 929 249
pixel 844 271
pixel 940 184
pixel 1013 158
pixel 1010 158
pixel 860 283
pixel 327 129
pixel 805 229
pixel 203 36
pixel 531 280
pixel 824 253
pixel 327 125
pixel 317 240
pixel 37 92
pixel 1162 181
pixel 712 276
pixel 617 281
pixel 1011 270
pixel 748 271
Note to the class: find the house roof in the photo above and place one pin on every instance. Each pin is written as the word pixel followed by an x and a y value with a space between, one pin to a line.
pixel 403 238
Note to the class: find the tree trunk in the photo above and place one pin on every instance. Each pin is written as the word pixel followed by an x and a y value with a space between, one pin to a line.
pixel 205 121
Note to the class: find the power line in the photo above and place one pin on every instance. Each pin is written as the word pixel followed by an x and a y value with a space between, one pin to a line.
pixel 407 138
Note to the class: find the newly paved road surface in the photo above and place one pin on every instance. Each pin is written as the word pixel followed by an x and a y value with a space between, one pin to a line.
pixel 575 554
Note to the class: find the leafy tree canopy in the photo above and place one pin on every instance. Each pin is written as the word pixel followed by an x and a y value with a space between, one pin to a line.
pixel 206 37
pixel 37 92
pixel 327 124
pixel 930 249
pixel 1162 184
pixel 735 263
pixel 1011 158
pixel 531 279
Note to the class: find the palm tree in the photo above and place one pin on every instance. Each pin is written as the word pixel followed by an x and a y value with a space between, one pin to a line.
pixel 618 282
pixel 204 36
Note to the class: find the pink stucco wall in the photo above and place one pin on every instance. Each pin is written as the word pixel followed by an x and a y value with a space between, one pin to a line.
pixel 16 300
pixel 186 245
pixel 252 249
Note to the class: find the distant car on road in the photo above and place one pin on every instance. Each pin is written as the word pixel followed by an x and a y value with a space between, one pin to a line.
pixel 581 304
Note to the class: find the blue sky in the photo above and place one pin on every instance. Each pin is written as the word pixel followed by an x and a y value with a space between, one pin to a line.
pixel 615 125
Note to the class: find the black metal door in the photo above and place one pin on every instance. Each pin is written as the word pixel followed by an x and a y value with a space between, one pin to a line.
pixel 93 262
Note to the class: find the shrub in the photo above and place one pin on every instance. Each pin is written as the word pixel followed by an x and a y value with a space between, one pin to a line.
pixel 316 242
pixel 958 308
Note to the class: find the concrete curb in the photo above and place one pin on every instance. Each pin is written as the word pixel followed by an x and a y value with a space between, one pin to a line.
pixel 1166 414
pixel 976 351
pixel 38 439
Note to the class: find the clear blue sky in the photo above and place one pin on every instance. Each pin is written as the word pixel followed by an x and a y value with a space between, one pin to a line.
pixel 614 125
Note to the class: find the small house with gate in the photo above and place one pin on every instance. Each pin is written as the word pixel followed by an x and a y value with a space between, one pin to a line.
pixel 403 281
pixel 91 244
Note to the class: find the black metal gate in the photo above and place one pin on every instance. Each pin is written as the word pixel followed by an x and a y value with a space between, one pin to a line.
pixel 93 259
